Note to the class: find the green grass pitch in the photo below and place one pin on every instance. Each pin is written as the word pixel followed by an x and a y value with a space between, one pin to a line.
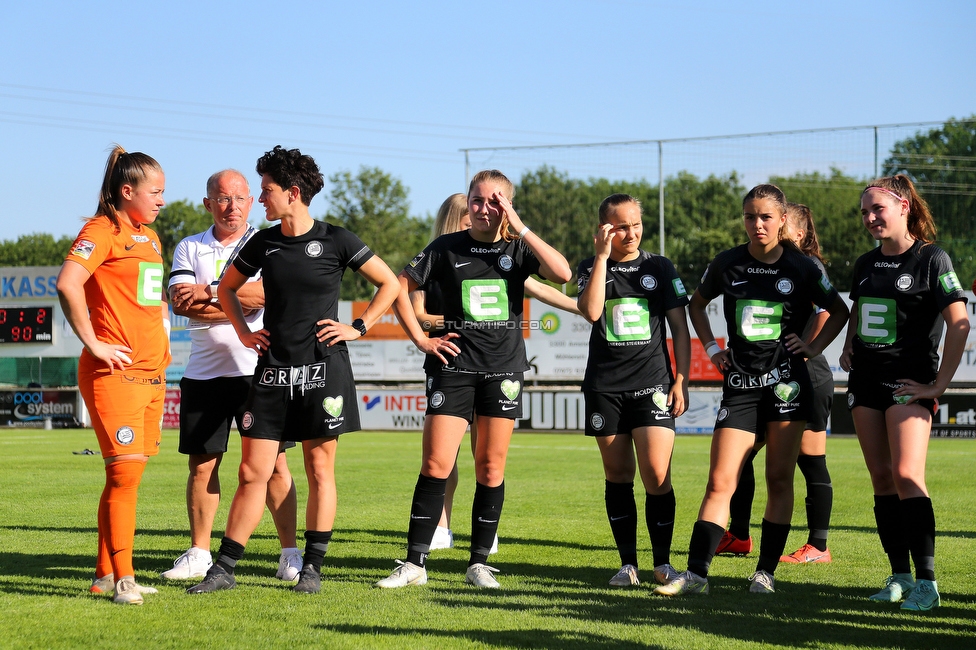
pixel 556 558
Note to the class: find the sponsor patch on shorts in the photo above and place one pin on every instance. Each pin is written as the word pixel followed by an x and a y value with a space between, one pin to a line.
pixel 597 421
pixel 247 421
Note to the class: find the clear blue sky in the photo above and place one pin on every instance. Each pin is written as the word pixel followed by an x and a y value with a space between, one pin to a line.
pixel 403 86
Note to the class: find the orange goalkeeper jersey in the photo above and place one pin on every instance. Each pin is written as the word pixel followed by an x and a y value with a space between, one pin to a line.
pixel 124 293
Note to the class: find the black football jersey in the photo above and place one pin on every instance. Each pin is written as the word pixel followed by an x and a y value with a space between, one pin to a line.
pixel 302 276
pixel 482 289
pixel 628 344
pixel 765 302
pixel 899 301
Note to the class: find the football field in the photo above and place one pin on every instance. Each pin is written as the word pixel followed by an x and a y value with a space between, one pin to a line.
pixel 556 556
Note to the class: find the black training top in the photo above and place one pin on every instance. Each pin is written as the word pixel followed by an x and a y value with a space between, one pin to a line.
pixel 765 302
pixel 302 276
pixel 899 301
pixel 628 344
pixel 482 288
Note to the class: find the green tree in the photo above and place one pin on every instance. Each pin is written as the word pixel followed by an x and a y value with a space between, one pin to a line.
pixel 177 220
pixel 942 163
pixel 374 205
pixel 835 202
pixel 38 249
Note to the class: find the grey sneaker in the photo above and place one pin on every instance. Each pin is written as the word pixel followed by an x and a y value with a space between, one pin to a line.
pixel 216 580
pixel 127 592
pixel 193 564
pixel 289 566
pixel 480 575
pixel 407 574
pixel 626 577
pixel 686 583
pixel 896 588
pixel 762 583
pixel 924 596
pixel 664 573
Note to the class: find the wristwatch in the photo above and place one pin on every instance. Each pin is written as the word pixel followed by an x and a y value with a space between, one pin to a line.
pixel 359 326
pixel 213 290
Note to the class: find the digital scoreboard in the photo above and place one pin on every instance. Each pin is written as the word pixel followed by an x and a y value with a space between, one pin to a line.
pixel 26 324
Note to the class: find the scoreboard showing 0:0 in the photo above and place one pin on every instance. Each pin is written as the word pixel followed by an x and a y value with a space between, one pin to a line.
pixel 26 324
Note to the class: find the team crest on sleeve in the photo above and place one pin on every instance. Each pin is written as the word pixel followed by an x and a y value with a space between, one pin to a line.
pixel 904 282
pixel 83 248
pixel 950 282
pixel 313 248
pixel 505 263
pixel 416 260
pixel 825 283
pixel 784 286
pixel 125 435
pixel 679 287
pixel 649 282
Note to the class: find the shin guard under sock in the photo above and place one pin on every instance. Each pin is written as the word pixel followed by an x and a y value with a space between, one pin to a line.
pixel 705 537
pixel 485 513
pixel 659 514
pixel 117 512
pixel 920 522
pixel 772 545
pixel 622 515
pixel 425 512
pixel 316 546
pixel 820 498
pixel 888 515
pixel 740 507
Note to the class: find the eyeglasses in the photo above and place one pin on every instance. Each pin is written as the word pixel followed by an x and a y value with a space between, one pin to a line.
pixel 224 201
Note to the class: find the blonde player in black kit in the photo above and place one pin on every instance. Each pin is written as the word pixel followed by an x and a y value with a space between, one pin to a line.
pixel 769 289
pixel 903 291
pixel 632 396
pixel 480 273
pixel 303 388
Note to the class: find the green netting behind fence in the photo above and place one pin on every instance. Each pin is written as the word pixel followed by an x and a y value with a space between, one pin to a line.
pixel 46 371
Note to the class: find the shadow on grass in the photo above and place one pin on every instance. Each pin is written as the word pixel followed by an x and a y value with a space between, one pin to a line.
pixel 871 530
pixel 494 638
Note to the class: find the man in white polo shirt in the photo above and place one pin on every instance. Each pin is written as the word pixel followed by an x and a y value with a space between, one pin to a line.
pixel 218 376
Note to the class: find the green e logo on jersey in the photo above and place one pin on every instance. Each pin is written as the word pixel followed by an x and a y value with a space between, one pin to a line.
pixel 759 320
pixel 150 289
pixel 628 320
pixel 876 318
pixel 485 299
pixel 950 282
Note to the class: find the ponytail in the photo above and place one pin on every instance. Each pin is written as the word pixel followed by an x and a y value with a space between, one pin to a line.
pixel 122 168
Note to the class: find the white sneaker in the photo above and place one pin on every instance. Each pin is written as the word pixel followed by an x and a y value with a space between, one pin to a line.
pixel 494 546
pixel 407 574
pixel 664 573
pixel 762 583
pixel 479 575
pixel 688 582
pixel 626 577
pixel 443 538
pixel 127 592
pixel 192 564
pixel 289 565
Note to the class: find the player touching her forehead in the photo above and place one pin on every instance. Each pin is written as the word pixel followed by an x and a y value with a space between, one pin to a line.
pixel 111 289
pixel 902 292
pixel 769 289
pixel 480 274
pixel 632 396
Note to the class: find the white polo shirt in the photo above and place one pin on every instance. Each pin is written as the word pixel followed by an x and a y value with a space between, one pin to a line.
pixel 215 351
